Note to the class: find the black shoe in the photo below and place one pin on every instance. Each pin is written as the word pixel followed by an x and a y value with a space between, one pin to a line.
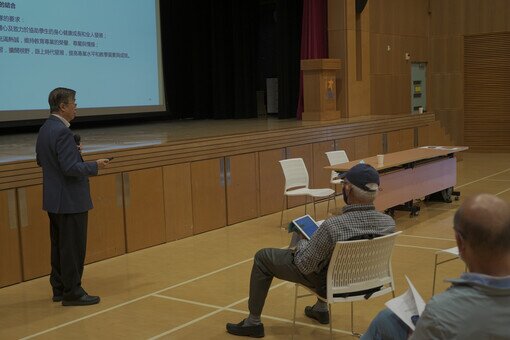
pixel 83 300
pixel 256 331
pixel 322 317
pixel 57 298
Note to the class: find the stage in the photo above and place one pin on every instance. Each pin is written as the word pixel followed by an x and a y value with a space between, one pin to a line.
pixel 21 147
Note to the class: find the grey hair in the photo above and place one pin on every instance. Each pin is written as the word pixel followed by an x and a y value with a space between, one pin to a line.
pixel 365 196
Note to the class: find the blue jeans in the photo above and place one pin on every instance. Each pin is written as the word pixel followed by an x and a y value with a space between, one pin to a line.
pixel 386 325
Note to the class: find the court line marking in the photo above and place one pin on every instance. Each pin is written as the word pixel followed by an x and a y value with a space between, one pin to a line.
pixel 499 180
pixel 134 300
pixel 184 325
pixel 212 273
pixel 502 192
pixel 481 179
pixel 228 309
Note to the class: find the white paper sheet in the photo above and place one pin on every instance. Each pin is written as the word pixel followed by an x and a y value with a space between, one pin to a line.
pixel 408 304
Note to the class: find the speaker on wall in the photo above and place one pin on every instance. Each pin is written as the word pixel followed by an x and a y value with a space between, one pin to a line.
pixel 360 5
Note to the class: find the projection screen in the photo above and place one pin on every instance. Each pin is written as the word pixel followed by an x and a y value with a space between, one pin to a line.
pixel 109 51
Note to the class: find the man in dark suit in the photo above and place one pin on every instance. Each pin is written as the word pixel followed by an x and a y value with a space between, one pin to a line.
pixel 66 198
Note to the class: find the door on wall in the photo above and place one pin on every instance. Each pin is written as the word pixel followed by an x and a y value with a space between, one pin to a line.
pixel 418 87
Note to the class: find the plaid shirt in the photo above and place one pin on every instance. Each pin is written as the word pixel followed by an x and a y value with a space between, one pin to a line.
pixel 356 220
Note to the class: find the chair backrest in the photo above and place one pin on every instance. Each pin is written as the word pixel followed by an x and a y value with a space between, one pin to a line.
pixel 360 265
pixel 336 157
pixel 295 173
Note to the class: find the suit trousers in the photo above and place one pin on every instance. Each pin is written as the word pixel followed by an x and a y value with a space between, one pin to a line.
pixel 68 234
pixel 279 263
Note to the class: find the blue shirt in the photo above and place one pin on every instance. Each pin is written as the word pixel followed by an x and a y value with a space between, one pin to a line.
pixel 476 306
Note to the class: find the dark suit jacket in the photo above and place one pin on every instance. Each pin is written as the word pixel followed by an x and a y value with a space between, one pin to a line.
pixel 65 175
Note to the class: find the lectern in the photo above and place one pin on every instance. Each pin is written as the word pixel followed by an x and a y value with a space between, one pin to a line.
pixel 319 88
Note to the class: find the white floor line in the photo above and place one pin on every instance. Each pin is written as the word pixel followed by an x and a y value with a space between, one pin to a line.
pixel 175 329
pixel 133 300
pixel 428 237
pixel 481 179
pixel 502 192
pixel 234 310
pixel 187 301
pixel 499 180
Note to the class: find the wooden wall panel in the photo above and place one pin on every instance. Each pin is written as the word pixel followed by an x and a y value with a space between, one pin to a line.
pixel 10 259
pixel 271 181
pixel 178 201
pixel 375 144
pixel 400 140
pixel 348 145
pixel 482 16
pixel 34 232
pixel 361 146
pixel 397 27
pixel 321 176
pixel 381 62
pixel 381 94
pixel 208 190
pixel 144 208
pixel 423 136
pixel 105 232
pixel 242 187
pixel 486 99
pixel 473 17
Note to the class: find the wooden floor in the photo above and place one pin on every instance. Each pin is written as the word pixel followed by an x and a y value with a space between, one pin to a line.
pixel 190 288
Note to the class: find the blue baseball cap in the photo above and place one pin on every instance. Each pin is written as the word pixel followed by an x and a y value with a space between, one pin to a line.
pixel 360 175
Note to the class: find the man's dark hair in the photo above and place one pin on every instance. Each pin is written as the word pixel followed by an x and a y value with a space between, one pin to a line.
pixel 58 96
pixel 490 233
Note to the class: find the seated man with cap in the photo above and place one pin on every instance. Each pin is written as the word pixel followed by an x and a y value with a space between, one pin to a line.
pixel 308 263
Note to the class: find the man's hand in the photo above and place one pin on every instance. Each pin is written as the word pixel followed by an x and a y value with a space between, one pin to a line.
pixel 102 163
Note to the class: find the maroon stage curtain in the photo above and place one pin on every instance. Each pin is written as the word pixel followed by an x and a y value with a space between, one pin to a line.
pixel 314 38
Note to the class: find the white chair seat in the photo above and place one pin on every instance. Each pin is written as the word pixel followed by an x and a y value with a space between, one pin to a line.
pixel 454 251
pixel 296 176
pixel 321 192
pixel 297 192
pixel 337 181
pixel 310 192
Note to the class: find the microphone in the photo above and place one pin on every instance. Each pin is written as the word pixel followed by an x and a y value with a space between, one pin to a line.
pixel 77 139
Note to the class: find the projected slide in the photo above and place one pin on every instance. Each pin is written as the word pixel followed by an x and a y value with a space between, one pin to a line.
pixel 107 50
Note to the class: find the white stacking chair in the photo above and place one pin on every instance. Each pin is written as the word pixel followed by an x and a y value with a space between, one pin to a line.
pixel 355 268
pixel 453 254
pixel 296 184
pixel 336 157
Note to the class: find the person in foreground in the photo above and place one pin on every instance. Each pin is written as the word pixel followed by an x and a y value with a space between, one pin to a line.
pixel 477 305
pixel 308 263
pixel 66 198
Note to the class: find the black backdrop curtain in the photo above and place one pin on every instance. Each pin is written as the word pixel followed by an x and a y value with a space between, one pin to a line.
pixel 289 14
pixel 210 57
